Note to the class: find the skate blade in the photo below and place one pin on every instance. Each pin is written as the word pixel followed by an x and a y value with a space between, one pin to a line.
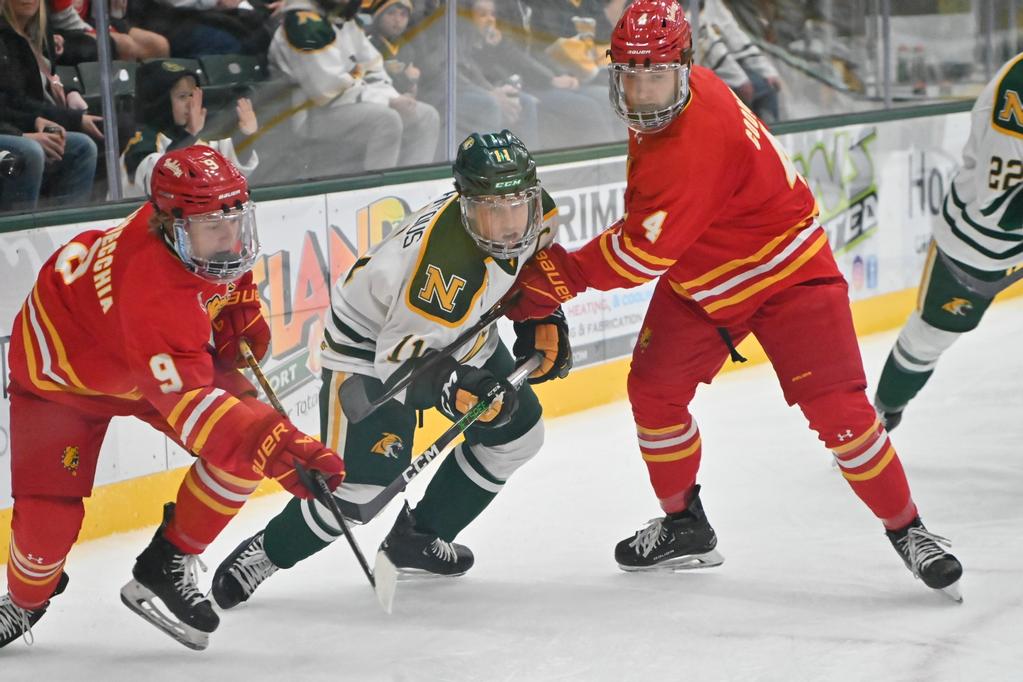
pixel 688 562
pixel 139 599
pixel 953 592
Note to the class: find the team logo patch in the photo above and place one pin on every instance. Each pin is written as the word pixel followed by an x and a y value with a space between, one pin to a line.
pixel 644 338
pixel 958 306
pixel 69 458
pixel 389 446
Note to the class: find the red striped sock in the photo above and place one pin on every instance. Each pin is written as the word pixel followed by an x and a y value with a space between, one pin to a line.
pixel 672 456
pixel 208 499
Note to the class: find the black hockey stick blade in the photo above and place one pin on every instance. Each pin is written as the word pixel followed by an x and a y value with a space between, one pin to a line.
pixel 356 401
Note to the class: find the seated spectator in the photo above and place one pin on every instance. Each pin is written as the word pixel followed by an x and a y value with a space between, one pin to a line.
pixel 763 76
pixel 196 28
pixel 56 137
pixel 170 115
pixel 71 19
pixel 345 96
pixel 390 21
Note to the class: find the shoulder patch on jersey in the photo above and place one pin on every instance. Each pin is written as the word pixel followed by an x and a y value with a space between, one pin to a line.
pixel 307 30
pixel 1007 114
pixel 451 272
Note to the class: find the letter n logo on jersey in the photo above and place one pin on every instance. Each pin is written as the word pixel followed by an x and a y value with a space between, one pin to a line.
pixel 1007 114
pixel 436 287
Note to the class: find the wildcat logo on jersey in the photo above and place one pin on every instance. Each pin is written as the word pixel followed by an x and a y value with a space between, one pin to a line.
pixel 445 291
pixel 69 458
pixel 389 446
pixel 957 306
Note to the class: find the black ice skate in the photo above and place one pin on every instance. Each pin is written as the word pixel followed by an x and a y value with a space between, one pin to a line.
pixel 921 551
pixel 165 572
pixel 674 542
pixel 242 572
pixel 417 553
pixel 17 622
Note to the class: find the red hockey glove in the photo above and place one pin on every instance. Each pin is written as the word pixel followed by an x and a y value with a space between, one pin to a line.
pixel 284 446
pixel 240 318
pixel 544 283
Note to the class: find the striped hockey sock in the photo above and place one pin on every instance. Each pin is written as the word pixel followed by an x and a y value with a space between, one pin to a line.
pixel 208 499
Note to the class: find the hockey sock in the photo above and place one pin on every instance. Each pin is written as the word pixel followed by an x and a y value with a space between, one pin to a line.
pixel 458 493
pixel 302 529
pixel 672 456
pixel 899 384
pixel 43 529
pixel 849 426
pixel 208 499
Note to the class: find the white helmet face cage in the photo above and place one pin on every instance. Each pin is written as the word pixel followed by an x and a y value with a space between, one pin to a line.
pixel 503 225
pixel 660 91
pixel 218 246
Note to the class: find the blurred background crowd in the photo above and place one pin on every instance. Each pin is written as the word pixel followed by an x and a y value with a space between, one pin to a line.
pixel 294 90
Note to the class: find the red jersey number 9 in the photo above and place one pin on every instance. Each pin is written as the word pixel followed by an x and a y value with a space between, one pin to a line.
pixel 164 371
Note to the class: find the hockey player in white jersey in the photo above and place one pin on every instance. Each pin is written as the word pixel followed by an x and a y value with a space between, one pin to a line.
pixel 436 274
pixel 977 248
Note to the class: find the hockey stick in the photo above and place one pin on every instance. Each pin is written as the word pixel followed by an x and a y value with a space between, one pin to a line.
pixel 384 569
pixel 354 395
pixel 312 479
pixel 366 511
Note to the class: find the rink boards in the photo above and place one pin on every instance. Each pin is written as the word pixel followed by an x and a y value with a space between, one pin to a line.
pixel 879 186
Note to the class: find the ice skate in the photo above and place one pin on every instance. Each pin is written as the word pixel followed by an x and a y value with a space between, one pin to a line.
pixel 165 572
pixel 418 554
pixel 921 551
pixel 17 622
pixel 242 572
pixel 675 542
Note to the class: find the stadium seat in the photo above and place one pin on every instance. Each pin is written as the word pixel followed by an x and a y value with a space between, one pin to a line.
pixel 123 78
pixel 232 69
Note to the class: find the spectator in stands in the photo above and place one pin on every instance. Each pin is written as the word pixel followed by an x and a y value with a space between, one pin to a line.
pixel 71 19
pixel 203 27
pixel 170 115
pixel 762 74
pixel 55 136
pixel 345 95
pixel 390 21
pixel 496 63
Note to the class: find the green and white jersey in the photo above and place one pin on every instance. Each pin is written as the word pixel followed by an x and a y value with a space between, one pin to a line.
pixel 416 291
pixel 983 211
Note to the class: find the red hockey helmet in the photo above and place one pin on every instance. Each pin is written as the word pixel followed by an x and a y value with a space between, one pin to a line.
pixel 651 52
pixel 214 230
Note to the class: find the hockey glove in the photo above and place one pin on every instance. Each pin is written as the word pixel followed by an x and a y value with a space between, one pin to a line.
pixel 284 446
pixel 548 336
pixel 240 318
pixel 454 389
pixel 544 283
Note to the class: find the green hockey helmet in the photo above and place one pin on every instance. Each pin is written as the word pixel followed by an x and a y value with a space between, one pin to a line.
pixel 499 194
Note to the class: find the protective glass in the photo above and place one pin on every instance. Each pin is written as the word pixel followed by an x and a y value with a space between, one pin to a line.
pixel 648 98
pixel 220 246
pixel 503 225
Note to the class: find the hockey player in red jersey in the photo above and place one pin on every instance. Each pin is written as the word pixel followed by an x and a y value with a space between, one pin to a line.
pixel 119 322
pixel 715 211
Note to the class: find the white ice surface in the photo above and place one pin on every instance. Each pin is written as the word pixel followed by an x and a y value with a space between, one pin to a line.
pixel 810 590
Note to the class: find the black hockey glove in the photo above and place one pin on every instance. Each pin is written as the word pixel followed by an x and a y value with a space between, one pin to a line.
pixel 549 336
pixel 454 389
